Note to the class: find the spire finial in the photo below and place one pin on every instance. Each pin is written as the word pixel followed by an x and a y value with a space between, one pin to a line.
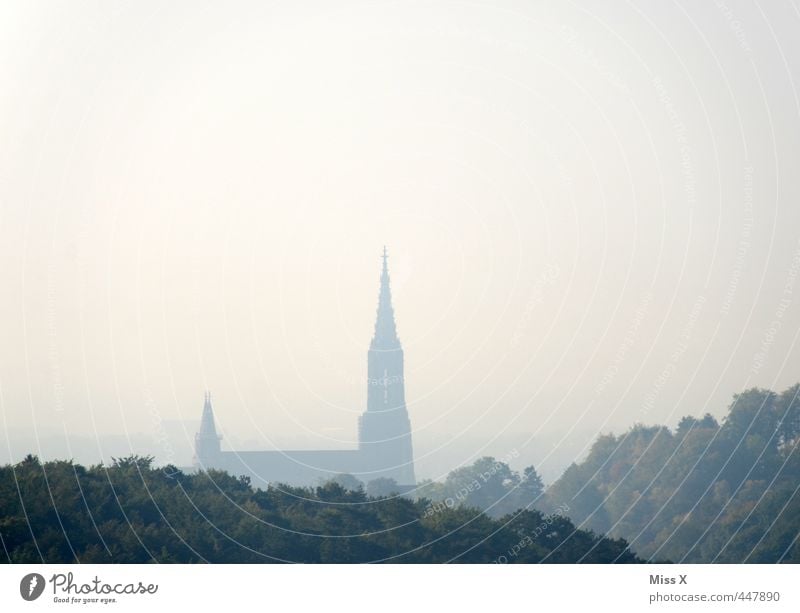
pixel 385 331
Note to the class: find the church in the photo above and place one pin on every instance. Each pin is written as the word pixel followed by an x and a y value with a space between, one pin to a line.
pixel 384 430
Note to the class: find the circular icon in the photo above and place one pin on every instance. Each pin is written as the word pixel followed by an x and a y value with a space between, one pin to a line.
pixel 31 586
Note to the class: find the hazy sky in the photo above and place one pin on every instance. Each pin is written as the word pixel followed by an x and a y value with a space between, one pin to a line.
pixel 592 213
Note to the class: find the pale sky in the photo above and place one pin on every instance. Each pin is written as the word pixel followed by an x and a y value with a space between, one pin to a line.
pixel 592 213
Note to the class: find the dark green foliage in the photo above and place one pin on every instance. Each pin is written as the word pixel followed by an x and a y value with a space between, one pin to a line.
pixel 382 486
pixel 704 493
pixel 487 484
pixel 133 512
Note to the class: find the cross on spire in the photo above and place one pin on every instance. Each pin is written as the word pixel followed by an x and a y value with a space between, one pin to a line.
pixel 385 331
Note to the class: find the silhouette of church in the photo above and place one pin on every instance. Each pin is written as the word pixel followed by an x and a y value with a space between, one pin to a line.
pixel 384 431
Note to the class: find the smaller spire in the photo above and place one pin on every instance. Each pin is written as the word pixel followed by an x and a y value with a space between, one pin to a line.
pixel 206 441
pixel 207 427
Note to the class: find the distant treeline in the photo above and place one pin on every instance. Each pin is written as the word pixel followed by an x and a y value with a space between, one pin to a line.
pixel 707 492
pixel 133 512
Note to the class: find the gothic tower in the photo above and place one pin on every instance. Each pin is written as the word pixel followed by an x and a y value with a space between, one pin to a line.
pixel 384 431
pixel 206 441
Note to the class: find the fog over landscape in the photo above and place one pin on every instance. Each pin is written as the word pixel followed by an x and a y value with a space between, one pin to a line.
pixel 591 212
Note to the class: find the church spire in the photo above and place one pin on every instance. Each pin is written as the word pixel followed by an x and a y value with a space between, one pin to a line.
pixel 385 329
pixel 206 441
pixel 207 427
pixel 384 430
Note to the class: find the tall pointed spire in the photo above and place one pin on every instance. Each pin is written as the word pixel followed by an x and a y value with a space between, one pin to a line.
pixel 206 441
pixel 385 329
pixel 384 430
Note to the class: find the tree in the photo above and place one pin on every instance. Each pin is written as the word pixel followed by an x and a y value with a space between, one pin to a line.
pixel 345 480
pixel 702 494
pixel 485 485
pixel 382 486
pixel 531 486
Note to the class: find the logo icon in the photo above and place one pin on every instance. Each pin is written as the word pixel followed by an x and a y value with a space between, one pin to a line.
pixel 31 586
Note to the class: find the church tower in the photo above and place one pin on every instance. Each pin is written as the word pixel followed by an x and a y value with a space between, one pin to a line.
pixel 206 441
pixel 384 428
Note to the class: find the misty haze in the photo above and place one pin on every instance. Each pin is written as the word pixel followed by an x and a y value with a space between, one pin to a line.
pixel 347 252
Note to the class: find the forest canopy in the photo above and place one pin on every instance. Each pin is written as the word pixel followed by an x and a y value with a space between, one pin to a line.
pixel 705 491
pixel 133 512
